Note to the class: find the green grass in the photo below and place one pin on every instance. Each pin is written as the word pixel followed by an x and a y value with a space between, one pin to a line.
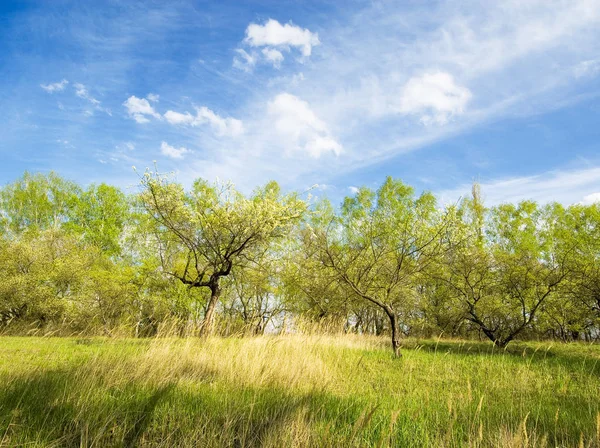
pixel 296 391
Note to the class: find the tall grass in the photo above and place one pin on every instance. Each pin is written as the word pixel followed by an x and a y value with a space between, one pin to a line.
pixel 295 390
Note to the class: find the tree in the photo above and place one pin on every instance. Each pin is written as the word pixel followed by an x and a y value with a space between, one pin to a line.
pixel 204 234
pixel 311 292
pixel 54 278
pixel 502 281
pixel 577 309
pixel 381 243
pixel 100 214
pixel 37 202
pixel 252 295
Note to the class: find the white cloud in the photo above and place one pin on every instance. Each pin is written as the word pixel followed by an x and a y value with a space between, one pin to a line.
pixel 295 120
pixel 474 61
pixel 353 189
pixel 140 109
pixel 179 118
pixel 564 186
pixel 172 152
pixel 273 56
pixel 153 97
pixel 451 63
pixel 274 34
pixel 592 198
pixel 221 126
pixel 436 97
pixel 55 87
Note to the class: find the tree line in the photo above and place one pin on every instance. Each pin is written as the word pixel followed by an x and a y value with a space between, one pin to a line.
pixel 210 260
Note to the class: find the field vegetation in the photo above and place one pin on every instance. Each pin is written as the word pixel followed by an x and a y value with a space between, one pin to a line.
pixel 208 317
pixel 296 390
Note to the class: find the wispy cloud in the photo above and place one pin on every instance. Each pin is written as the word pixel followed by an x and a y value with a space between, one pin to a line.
pixel 55 87
pixel 275 57
pixel 153 97
pixel 82 92
pixel 245 61
pixel 587 68
pixel 566 186
pixel 296 122
pixel 228 126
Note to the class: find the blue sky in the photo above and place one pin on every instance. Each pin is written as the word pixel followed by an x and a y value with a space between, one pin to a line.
pixel 333 95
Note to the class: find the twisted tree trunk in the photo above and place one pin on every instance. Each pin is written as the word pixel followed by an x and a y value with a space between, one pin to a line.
pixel 207 325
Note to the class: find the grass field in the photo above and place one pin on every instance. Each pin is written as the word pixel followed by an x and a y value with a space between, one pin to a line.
pixel 296 391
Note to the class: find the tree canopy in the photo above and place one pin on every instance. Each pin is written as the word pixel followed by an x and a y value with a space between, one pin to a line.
pixel 211 259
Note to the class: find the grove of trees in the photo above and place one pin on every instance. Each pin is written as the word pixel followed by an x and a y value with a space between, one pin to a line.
pixel 212 260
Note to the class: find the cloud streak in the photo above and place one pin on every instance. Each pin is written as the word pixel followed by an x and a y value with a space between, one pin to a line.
pixel 228 126
pixel 55 87
pixel 566 186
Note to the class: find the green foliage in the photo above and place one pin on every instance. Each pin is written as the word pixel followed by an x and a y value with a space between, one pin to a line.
pixel 204 233
pixel 100 213
pixel 385 261
pixel 37 202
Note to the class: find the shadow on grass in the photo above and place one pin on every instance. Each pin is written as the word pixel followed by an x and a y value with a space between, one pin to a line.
pixel 565 355
pixel 133 435
pixel 64 408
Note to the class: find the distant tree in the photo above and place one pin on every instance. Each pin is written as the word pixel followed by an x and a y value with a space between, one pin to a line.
pixel 253 301
pixel 380 245
pixel 204 234
pixel 100 213
pixel 37 202
pixel 310 291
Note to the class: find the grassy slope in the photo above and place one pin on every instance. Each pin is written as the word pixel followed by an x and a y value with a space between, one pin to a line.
pixel 295 391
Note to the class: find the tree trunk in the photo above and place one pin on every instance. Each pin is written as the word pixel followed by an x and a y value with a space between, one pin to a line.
pixel 395 331
pixel 500 343
pixel 207 324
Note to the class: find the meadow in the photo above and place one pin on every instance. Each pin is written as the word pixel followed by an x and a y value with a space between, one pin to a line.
pixel 296 390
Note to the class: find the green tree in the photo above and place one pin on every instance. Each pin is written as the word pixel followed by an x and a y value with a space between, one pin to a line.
pixel 380 245
pixel 100 213
pixel 204 234
pixel 502 281
pixel 37 202
pixel 576 309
